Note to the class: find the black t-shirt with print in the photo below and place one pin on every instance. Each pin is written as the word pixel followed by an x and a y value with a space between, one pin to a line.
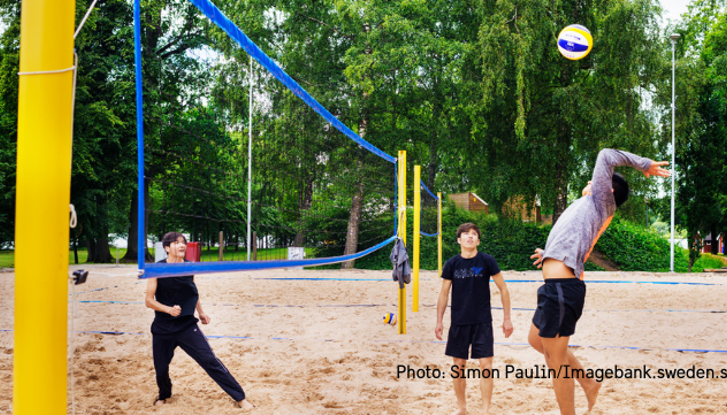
pixel 471 287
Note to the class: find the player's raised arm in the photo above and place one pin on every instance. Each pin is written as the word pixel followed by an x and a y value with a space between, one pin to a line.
pixel 608 159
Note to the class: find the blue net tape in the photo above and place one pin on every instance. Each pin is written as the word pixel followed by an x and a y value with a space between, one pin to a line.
pixel 193 268
pixel 424 186
pixel 218 18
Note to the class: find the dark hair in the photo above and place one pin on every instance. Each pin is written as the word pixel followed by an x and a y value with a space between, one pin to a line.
pixel 620 189
pixel 466 227
pixel 172 237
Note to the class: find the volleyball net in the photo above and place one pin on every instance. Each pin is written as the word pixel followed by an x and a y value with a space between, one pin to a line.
pixel 429 212
pixel 308 192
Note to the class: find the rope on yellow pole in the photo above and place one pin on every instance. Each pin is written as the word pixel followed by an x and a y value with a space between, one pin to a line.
pixel 439 233
pixel 42 206
pixel 415 234
pixel 401 211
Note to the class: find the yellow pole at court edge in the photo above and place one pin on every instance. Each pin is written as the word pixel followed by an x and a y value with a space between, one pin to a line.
pixel 439 233
pixel 415 233
pixel 43 184
pixel 401 212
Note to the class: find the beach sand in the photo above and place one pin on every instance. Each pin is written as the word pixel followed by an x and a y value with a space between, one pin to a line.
pixel 320 347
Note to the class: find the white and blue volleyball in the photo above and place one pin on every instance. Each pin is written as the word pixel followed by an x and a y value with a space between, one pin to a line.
pixel 390 318
pixel 575 42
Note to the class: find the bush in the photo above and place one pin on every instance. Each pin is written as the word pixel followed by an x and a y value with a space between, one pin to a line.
pixel 634 248
pixel 709 261
pixel 511 242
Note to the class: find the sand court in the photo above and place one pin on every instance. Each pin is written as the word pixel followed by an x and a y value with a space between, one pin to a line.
pixel 302 346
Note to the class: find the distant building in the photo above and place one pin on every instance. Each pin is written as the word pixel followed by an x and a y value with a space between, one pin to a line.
pixel 708 247
pixel 516 206
pixel 470 201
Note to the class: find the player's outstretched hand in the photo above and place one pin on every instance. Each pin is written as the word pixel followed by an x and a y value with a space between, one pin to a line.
pixel 657 170
pixel 538 257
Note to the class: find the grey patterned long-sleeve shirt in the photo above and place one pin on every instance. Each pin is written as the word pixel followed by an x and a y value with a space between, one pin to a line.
pixel 578 228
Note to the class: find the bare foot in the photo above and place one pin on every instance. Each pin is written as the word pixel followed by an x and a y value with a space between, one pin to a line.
pixel 160 402
pixel 460 411
pixel 592 394
pixel 245 404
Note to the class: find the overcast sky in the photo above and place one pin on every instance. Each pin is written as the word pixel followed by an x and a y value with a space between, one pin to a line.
pixel 674 8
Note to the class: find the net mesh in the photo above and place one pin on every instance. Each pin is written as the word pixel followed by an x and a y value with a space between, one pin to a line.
pixel 315 191
pixel 429 214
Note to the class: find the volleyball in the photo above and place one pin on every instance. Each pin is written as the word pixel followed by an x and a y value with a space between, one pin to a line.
pixel 575 42
pixel 390 318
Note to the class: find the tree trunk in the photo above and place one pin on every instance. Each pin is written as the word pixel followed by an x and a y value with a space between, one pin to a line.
pixel 356 205
pixel 714 243
pixel 91 246
pixel 102 252
pixel 561 198
pixel 75 249
pixel 353 222
pixel 132 242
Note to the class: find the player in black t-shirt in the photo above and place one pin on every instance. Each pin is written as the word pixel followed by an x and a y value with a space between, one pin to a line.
pixel 468 275
pixel 174 301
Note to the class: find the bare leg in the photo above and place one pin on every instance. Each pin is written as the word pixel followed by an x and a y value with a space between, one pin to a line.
pixel 556 356
pixel 590 386
pixel 460 384
pixel 486 383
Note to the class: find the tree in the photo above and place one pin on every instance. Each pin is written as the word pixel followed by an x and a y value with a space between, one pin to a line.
pixel 542 118
pixel 701 126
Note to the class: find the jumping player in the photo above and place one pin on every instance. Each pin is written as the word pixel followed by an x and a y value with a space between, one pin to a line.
pixel 561 298
pixel 468 275
pixel 174 301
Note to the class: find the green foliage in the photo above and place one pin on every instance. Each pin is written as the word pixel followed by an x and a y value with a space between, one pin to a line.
pixel 634 248
pixel 511 242
pixel 542 119
pixel 475 92
pixel 709 261
pixel 700 125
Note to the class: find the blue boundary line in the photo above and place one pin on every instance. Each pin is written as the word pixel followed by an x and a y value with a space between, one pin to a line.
pixel 508 281
pixel 683 350
pixel 394 305
pixel 193 268
pixel 324 279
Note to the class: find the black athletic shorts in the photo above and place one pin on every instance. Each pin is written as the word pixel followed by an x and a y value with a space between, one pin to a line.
pixel 462 336
pixel 560 305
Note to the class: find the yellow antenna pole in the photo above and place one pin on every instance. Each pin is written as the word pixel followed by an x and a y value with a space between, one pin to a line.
pixel 417 228
pixel 439 233
pixel 42 206
pixel 401 211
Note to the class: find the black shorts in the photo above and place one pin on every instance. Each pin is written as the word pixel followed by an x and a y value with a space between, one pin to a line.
pixel 560 305
pixel 462 336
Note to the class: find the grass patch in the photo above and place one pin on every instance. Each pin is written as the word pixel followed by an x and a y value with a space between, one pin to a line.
pixel 709 261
